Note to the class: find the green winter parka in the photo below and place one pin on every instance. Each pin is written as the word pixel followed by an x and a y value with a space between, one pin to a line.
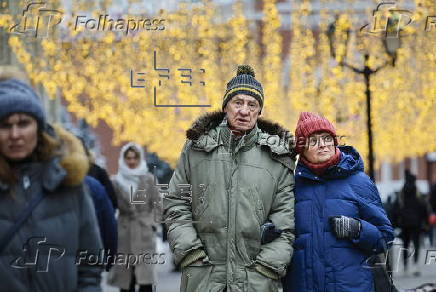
pixel 222 191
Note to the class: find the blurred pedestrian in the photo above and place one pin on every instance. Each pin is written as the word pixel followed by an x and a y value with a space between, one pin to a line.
pixel 339 218
pixel 106 220
pixel 412 217
pixel 136 193
pixel 47 216
pixel 100 174
pixel 104 210
pixel 389 206
pixel 433 198
pixel 432 218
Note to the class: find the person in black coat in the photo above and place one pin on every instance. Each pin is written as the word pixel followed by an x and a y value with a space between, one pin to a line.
pixel 432 219
pixel 433 198
pixel 102 176
pixel 411 216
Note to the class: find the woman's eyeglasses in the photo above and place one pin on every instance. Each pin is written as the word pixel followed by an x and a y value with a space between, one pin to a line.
pixel 316 140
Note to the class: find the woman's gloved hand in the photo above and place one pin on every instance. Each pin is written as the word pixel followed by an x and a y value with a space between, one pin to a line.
pixel 344 227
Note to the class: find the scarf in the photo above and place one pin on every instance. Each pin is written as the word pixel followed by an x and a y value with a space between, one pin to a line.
pixel 126 176
pixel 319 168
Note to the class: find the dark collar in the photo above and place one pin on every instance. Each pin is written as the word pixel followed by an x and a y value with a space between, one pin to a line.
pixel 211 120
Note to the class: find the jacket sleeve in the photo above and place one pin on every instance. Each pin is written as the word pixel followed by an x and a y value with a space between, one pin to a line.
pixel 108 226
pixel 182 236
pixel 89 275
pixel 376 233
pixel 277 254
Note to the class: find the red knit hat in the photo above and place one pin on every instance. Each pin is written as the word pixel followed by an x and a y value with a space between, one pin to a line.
pixel 309 123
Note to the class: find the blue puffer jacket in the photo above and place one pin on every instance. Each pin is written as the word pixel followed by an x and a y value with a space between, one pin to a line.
pixel 322 263
pixel 105 216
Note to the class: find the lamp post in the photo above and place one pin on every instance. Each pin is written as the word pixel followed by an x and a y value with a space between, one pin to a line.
pixel 391 45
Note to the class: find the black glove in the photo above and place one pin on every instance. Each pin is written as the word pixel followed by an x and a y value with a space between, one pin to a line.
pixel 269 232
pixel 345 227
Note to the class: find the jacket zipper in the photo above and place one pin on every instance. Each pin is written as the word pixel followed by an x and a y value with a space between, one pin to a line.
pixel 229 234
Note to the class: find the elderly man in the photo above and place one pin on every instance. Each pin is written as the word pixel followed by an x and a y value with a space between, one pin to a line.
pixel 234 175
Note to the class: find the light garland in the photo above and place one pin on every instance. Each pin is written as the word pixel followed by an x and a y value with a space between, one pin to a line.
pixel 93 76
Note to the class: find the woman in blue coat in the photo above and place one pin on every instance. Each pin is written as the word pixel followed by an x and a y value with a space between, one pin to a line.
pixel 340 221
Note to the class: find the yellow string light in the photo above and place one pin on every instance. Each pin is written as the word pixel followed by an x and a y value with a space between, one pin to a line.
pixel 93 75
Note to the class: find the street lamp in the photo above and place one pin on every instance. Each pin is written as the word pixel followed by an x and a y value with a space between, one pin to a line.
pixel 392 43
pixel 392 40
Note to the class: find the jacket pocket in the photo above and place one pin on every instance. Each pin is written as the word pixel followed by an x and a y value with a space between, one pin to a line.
pixel 259 209
pixel 256 282
pixel 196 277
pixel 201 200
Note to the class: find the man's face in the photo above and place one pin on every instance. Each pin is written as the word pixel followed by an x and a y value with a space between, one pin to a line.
pixel 319 148
pixel 242 112
pixel 18 136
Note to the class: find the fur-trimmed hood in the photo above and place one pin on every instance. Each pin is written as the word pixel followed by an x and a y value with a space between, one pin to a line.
pixel 73 159
pixel 211 120
pixel 67 162
pixel 273 136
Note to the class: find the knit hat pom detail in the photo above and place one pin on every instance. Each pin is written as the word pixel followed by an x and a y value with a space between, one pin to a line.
pixel 305 116
pixel 245 69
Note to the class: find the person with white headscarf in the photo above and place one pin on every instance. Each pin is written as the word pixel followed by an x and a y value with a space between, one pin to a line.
pixel 136 191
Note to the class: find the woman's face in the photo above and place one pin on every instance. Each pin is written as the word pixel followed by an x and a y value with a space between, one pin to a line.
pixel 319 148
pixel 131 158
pixel 18 136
